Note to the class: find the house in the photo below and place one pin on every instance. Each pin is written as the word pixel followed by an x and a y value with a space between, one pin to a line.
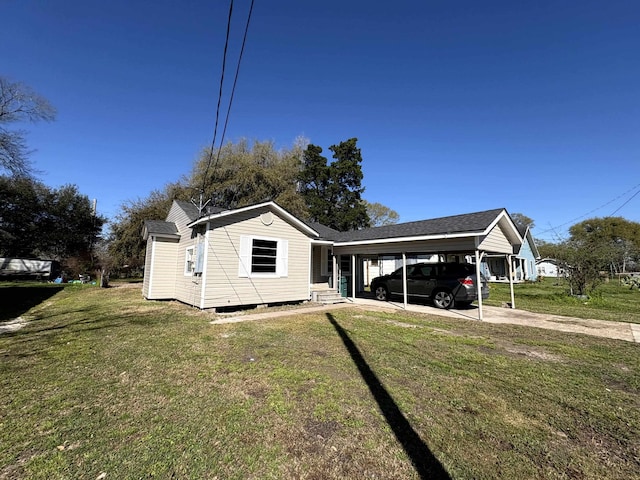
pixel 548 267
pixel 262 254
pixel 253 255
pixel 523 263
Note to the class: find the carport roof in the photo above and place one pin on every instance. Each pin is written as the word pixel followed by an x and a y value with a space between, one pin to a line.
pixel 477 222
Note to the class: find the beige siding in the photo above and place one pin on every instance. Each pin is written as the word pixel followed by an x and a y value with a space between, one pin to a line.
pixel 187 286
pixel 496 241
pixel 160 277
pixel 147 268
pixel 224 287
pixel 177 216
pixel 317 276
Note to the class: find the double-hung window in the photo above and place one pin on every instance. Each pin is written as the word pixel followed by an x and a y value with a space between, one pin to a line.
pixel 263 257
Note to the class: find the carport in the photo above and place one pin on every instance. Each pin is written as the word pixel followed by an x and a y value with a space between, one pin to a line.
pixel 475 234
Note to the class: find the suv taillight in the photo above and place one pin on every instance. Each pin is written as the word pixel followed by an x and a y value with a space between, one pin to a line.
pixel 466 281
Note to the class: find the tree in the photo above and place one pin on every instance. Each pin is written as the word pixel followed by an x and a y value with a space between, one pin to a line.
pixel 126 247
pixel 240 174
pixel 380 215
pixel 548 249
pixel 70 227
pixel 619 237
pixel 234 176
pixel 332 192
pixel 315 181
pixel 21 213
pixel 596 247
pixel 37 221
pixel 522 221
pixel 18 103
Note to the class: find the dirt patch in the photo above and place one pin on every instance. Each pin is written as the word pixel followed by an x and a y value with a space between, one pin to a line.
pixel 402 324
pixel 536 354
pixel 321 430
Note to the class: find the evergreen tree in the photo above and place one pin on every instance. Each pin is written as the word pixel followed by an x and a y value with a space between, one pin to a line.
pixel 332 192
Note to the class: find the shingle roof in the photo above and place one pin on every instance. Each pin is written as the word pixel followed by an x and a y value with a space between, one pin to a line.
pixel 326 233
pixel 160 227
pixel 468 222
pixel 192 211
pixel 189 208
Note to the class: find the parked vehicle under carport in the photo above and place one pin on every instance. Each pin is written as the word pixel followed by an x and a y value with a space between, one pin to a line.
pixel 445 284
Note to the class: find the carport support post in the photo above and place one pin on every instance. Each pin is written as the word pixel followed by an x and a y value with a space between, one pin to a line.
pixel 479 284
pixel 353 276
pixel 509 261
pixel 404 279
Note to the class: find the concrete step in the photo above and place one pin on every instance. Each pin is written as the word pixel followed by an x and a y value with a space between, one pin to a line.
pixel 327 297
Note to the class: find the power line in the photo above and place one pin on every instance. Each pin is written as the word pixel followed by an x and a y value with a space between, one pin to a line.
pixel 631 198
pixel 233 90
pixel 596 209
pixel 231 97
pixel 215 129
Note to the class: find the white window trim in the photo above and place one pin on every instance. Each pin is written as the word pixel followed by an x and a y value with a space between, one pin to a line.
pixel 324 261
pixel 244 258
pixel 189 258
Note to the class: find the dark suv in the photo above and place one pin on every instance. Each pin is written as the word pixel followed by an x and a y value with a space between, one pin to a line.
pixel 446 284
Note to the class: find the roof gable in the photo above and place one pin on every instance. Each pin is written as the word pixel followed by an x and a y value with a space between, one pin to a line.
pixel 229 216
pixel 527 236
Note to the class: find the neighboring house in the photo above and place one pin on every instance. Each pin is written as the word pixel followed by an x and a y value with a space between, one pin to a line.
pixel 523 263
pixel 262 254
pixel 29 268
pixel 548 267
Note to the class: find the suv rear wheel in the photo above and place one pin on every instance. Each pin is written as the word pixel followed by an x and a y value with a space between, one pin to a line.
pixel 381 293
pixel 443 299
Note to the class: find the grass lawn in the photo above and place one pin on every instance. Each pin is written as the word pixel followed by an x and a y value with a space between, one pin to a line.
pixel 610 301
pixel 100 381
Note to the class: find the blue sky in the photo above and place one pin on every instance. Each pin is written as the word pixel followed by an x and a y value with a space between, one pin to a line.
pixel 458 106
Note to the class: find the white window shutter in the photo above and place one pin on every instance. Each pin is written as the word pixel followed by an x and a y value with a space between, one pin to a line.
pixel 244 262
pixel 282 259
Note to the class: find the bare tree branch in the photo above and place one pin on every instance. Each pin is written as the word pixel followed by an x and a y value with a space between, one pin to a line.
pixel 19 103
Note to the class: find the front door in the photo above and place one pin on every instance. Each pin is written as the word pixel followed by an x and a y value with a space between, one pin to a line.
pixel 345 275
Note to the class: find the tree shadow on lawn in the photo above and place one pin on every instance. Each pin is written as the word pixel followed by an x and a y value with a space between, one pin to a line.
pixel 424 461
pixel 17 300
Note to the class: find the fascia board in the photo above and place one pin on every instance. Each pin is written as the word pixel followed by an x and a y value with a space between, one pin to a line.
pixel 443 236
pixel 165 235
pixel 146 235
pixel 303 226
pixel 322 242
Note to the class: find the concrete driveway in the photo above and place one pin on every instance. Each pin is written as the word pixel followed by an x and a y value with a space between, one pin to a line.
pixel 629 332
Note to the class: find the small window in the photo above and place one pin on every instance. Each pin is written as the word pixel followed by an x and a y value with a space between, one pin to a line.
pixel 189 261
pixel 264 255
